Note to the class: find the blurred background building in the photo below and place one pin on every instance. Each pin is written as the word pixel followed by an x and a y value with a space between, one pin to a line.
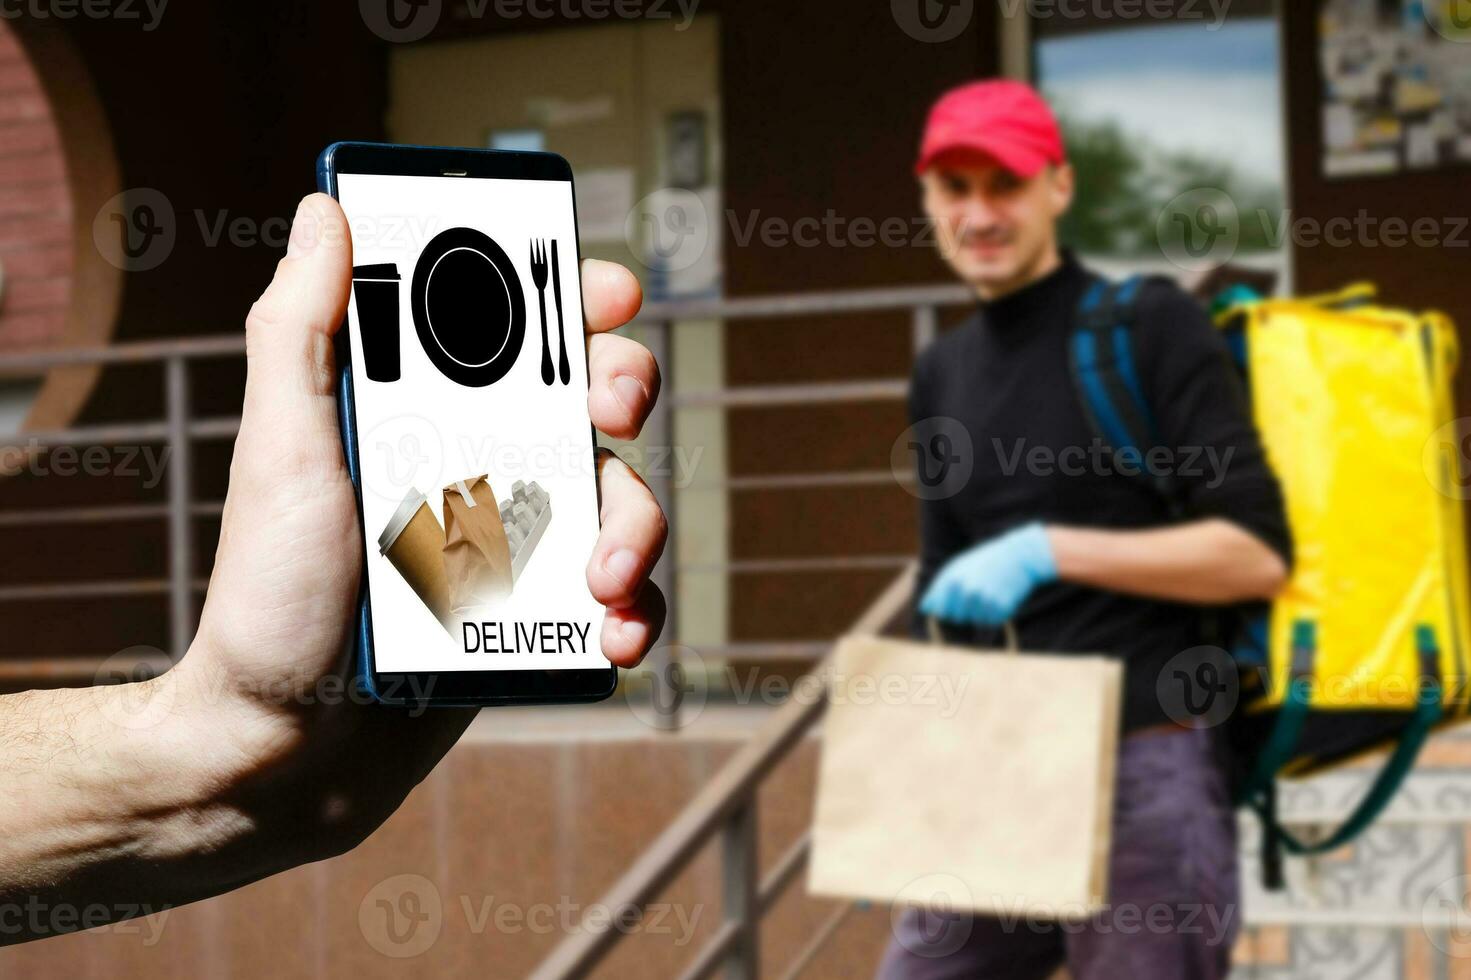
pixel 750 159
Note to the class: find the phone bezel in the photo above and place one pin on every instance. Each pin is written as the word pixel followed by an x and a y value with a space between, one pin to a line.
pixel 469 687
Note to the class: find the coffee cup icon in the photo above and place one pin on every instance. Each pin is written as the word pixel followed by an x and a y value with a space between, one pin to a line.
pixel 375 287
pixel 413 542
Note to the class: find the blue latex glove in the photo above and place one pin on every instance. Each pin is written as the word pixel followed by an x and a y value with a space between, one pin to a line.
pixel 987 584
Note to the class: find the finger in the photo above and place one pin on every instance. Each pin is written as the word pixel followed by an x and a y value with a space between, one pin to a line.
pixel 288 334
pixel 984 610
pixel 630 633
pixel 611 295
pixel 288 425
pixel 623 386
pixel 962 605
pixel 930 603
pixel 632 538
pixel 942 597
pixel 957 605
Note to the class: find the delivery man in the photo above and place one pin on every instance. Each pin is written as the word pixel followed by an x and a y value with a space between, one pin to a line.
pixel 1084 557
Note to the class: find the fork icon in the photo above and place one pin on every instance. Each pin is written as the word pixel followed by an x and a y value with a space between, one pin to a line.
pixel 539 277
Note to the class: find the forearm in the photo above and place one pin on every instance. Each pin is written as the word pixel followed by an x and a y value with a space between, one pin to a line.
pixel 1206 561
pixel 114 804
pixel 124 800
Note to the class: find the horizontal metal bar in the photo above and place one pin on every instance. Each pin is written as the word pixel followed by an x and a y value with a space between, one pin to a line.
pixel 222 427
pixel 83 590
pixel 81 515
pixel 823 564
pixel 739 308
pixel 803 481
pixel 99 514
pixel 122 589
pixel 124 512
pixel 779 650
pixel 134 352
pixel 119 434
pixel 80 668
pixel 94 435
pixel 820 393
pixel 802 304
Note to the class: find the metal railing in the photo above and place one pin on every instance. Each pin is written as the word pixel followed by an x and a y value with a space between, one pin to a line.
pixel 726 805
pixel 179 429
pixel 921 306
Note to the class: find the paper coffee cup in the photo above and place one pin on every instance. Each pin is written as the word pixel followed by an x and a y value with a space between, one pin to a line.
pixel 413 542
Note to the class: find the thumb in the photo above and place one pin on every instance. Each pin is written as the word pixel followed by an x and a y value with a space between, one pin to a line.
pixel 288 334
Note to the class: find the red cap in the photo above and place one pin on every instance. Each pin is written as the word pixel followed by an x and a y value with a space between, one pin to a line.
pixel 1002 119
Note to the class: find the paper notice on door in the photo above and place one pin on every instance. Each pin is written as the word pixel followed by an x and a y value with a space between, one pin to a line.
pixel 604 199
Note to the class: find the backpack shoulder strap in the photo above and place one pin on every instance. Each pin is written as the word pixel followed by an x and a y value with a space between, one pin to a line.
pixel 1106 376
pixel 1259 793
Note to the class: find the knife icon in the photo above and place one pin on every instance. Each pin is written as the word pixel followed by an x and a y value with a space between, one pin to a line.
pixel 564 367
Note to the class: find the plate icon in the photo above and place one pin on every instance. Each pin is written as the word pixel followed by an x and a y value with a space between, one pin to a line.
pixel 469 308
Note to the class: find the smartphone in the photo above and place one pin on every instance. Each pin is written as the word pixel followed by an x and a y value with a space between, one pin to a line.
pixel 462 400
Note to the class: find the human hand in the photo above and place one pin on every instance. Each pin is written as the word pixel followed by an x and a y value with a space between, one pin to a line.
pixel 987 584
pixel 324 769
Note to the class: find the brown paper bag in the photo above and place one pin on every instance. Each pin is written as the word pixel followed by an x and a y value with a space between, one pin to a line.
pixel 477 558
pixel 967 780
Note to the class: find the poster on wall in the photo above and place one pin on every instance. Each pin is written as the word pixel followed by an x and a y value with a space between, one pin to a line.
pixel 1396 85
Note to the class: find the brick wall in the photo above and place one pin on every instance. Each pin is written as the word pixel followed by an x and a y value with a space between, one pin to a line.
pixel 35 208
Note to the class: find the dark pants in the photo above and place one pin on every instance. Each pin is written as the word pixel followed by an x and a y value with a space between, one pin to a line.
pixel 1174 905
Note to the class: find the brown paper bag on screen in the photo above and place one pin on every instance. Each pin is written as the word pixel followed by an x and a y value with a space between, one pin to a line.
pixel 477 557
pixel 981 782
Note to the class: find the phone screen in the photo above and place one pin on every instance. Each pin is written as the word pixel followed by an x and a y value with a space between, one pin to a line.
pixel 475 450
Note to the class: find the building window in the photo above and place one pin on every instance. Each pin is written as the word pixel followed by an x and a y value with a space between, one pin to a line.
pixel 1159 110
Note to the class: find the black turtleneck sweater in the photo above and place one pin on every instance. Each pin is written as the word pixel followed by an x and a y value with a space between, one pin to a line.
pixel 1004 375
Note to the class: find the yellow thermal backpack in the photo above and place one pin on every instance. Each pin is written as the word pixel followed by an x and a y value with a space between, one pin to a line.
pixel 1366 647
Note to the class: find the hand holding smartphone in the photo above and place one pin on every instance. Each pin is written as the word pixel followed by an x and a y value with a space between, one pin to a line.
pixel 463 403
